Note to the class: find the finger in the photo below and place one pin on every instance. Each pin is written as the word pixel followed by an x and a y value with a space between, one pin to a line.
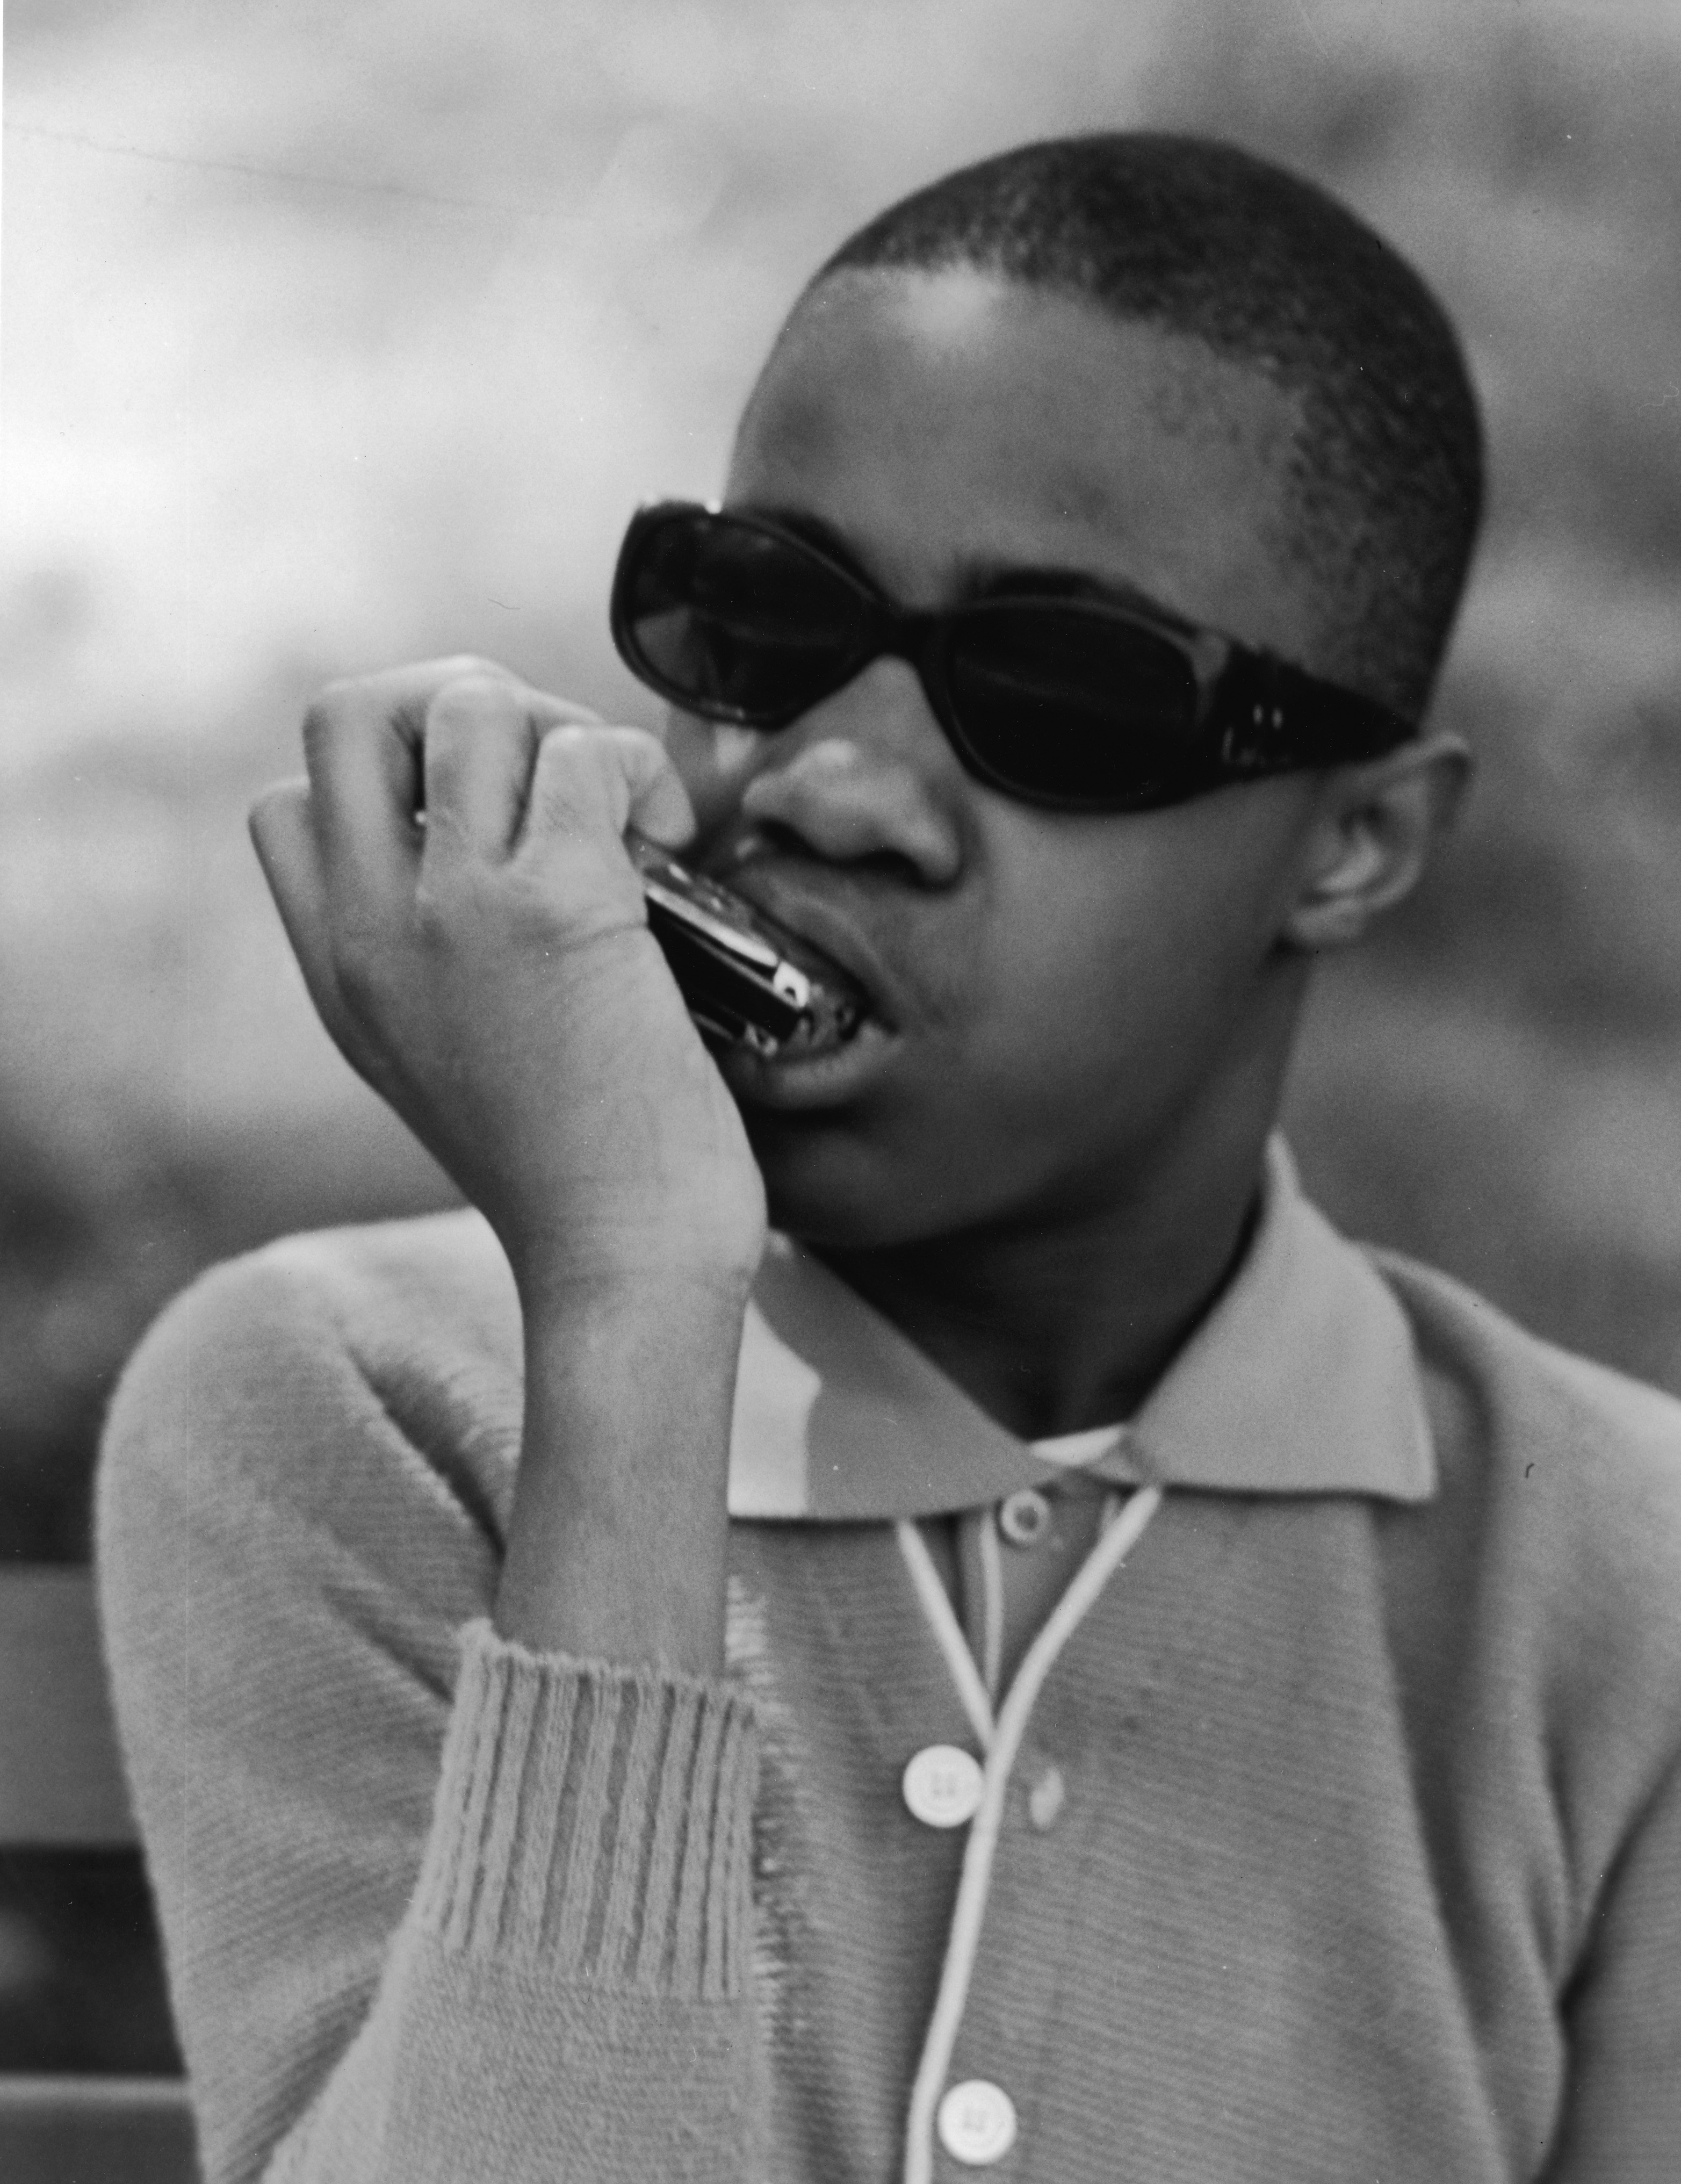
pixel 363 742
pixel 481 736
pixel 661 806
pixel 717 760
pixel 284 836
pixel 600 780
pixel 480 743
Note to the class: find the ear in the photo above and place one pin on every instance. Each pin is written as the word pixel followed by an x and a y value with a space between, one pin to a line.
pixel 1371 837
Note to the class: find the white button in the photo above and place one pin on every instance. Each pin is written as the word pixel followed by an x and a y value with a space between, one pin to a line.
pixel 942 1785
pixel 1024 1517
pixel 1045 1798
pixel 977 2123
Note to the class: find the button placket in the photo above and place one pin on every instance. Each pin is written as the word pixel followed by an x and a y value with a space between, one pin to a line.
pixel 975 2121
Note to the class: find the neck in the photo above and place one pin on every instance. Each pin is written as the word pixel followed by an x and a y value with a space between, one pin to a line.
pixel 1053 1325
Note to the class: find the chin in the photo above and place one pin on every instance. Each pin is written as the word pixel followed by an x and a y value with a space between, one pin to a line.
pixel 831 1188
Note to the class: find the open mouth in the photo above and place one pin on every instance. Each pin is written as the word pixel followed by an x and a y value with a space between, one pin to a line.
pixel 795 1022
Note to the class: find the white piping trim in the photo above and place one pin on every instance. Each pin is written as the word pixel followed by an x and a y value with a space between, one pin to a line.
pixel 1088 1581
pixel 992 1610
pixel 937 1607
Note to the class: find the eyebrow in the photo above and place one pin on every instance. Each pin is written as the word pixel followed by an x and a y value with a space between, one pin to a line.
pixel 979 577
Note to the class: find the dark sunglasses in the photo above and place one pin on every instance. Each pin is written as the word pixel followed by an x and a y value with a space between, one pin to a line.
pixel 1075 703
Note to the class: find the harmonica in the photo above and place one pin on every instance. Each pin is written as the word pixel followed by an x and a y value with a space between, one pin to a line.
pixel 745 982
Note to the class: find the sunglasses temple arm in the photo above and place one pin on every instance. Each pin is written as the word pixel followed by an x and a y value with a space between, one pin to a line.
pixel 1277 717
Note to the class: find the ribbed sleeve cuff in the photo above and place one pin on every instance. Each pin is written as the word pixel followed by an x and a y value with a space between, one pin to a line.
pixel 594 1823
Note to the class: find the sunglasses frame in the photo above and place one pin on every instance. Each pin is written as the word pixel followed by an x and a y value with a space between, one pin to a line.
pixel 1255 714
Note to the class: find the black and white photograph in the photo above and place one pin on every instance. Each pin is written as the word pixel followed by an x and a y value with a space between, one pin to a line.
pixel 840 1092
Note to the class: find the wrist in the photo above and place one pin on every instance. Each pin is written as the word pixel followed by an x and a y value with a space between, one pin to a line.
pixel 616 1540
pixel 564 1285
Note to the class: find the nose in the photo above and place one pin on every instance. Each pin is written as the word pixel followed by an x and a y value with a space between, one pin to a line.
pixel 866 773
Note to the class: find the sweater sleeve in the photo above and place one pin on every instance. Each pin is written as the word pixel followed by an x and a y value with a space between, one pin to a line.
pixel 1621 2120
pixel 434 1907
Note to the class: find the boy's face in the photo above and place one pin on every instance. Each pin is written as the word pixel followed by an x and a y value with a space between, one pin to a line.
pixel 1068 999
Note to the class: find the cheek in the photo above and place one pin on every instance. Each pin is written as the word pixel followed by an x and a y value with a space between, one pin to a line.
pixel 1133 951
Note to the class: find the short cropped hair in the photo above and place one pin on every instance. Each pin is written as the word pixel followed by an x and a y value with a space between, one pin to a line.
pixel 1385 489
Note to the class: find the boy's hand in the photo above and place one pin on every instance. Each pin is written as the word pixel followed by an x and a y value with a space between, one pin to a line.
pixel 491 974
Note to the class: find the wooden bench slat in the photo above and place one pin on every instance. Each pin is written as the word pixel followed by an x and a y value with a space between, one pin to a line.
pixel 49 2093
pixel 61 1782
pixel 95 2130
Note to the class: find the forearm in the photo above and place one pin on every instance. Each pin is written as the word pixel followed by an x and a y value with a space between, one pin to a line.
pixel 616 1545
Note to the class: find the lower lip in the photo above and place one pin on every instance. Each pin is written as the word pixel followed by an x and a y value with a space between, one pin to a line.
pixel 791 1081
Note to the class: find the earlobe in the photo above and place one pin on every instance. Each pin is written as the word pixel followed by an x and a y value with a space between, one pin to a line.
pixel 1371 839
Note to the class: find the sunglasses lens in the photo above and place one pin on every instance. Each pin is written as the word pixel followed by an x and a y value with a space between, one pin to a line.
pixel 734 621
pixel 1072 707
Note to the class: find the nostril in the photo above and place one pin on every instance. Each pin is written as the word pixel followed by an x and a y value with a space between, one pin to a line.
pixel 780 839
pixel 891 865
pixel 775 838
pixel 840 804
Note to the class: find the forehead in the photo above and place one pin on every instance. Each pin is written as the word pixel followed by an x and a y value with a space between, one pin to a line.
pixel 946 422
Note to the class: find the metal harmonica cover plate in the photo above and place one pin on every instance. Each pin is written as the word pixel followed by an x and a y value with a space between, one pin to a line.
pixel 746 980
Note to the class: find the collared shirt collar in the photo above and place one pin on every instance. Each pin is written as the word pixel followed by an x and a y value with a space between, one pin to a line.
pixel 1301 1380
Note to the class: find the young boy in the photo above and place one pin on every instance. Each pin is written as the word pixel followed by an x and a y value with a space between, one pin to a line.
pixel 1057 1664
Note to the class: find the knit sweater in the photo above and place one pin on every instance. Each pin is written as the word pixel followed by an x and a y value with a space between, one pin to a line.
pixel 1341 1840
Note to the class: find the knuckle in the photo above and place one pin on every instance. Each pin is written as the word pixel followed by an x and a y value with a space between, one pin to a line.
pixel 472 696
pixel 325 712
pixel 581 751
pixel 561 761
pixel 642 756
pixel 462 665
pixel 277 797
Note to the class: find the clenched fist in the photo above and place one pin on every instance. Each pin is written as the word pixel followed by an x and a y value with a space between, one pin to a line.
pixel 453 878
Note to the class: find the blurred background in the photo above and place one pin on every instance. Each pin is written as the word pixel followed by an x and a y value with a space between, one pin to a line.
pixel 334 336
